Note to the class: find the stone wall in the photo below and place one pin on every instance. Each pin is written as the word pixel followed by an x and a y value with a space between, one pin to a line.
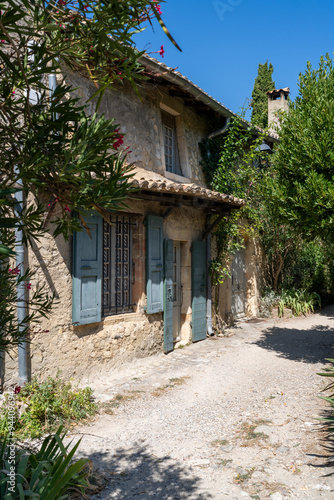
pixel 277 101
pixel 83 352
pixel 252 276
pixel 140 121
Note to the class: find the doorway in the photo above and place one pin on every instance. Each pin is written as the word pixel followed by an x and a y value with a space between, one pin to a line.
pixel 177 291
pixel 238 285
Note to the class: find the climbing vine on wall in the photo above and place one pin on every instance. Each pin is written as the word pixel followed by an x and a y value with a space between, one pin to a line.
pixel 232 165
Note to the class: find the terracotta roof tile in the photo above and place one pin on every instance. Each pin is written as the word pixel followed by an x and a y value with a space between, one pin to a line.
pixel 151 181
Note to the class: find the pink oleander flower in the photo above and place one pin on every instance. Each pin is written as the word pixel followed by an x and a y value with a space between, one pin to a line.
pixel 67 208
pixel 158 7
pixel 17 389
pixel 161 51
pixel 54 201
pixel 62 3
pixel 14 271
pixel 29 286
pixel 118 142
pixel 86 7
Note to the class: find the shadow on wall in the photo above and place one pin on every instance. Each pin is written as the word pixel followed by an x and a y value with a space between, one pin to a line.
pixel 44 269
pixel 313 345
pixel 137 473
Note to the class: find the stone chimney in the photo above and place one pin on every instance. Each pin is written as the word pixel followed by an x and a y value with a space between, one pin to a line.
pixel 277 101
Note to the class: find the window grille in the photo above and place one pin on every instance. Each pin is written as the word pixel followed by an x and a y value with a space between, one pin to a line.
pixel 117 265
pixel 169 148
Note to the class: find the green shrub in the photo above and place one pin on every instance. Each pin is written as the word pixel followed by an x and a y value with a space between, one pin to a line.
pixel 46 405
pixel 310 267
pixel 299 301
pixel 48 474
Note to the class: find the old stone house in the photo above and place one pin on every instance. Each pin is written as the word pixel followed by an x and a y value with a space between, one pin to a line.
pixel 141 283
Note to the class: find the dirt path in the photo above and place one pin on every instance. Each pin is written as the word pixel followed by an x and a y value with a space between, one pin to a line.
pixel 229 418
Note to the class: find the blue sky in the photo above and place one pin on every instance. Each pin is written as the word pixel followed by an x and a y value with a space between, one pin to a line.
pixel 224 41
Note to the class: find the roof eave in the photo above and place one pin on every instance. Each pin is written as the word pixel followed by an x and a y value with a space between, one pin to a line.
pixel 170 75
pixel 176 78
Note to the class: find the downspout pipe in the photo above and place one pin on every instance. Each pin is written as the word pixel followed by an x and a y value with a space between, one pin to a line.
pixel 52 85
pixel 52 88
pixel 209 330
pixel 222 130
pixel 20 264
pixel 21 289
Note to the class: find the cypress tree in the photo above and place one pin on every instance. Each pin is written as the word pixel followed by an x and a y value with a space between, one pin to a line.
pixel 263 83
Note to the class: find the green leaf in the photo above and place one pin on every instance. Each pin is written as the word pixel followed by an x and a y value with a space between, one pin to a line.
pixel 163 26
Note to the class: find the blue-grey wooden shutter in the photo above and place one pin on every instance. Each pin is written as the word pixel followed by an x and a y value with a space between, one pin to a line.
pixel 87 272
pixel 154 264
pixel 168 297
pixel 198 285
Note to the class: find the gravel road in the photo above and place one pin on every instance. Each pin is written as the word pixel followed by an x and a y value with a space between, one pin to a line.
pixel 230 418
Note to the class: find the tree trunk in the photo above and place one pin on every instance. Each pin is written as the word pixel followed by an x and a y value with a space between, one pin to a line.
pixel 278 272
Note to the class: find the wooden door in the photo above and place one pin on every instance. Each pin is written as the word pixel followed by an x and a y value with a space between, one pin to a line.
pixel 168 297
pixel 238 285
pixel 176 290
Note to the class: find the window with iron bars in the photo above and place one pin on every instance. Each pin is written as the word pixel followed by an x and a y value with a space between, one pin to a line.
pixel 117 265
